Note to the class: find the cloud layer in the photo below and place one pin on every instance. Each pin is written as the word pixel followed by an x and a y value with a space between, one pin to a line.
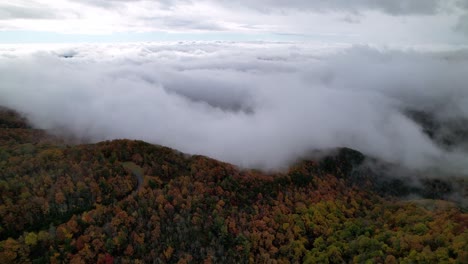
pixel 252 104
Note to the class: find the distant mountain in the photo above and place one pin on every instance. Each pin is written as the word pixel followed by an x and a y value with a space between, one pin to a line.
pixel 448 133
pixel 126 201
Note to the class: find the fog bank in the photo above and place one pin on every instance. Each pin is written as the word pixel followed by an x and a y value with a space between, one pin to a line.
pixel 252 104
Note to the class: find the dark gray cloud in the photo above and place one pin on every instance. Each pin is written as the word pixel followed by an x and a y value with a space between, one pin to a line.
pixel 462 3
pixel 253 104
pixel 394 7
pixel 462 25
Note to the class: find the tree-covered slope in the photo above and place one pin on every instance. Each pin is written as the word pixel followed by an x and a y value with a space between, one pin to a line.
pixel 128 201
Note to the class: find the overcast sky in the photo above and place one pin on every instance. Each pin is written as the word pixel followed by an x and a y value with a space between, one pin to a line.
pixel 348 21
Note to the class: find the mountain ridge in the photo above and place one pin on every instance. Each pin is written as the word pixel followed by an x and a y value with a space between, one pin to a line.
pixel 82 203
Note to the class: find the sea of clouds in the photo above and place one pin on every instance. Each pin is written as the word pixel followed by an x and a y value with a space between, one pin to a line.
pixel 253 104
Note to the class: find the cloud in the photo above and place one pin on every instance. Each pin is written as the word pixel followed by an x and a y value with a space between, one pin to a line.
pixel 252 104
pixel 396 7
pixel 114 3
pixel 462 25
pixel 366 21
pixel 184 24
pixel 104 3
pixel 29 11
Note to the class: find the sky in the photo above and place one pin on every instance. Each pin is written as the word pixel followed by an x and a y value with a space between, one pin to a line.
pixel 343 21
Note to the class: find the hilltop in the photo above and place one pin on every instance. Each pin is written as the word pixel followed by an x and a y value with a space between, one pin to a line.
pixel 125 201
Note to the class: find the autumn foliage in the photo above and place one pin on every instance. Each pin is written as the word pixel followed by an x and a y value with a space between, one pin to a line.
pixel 63 203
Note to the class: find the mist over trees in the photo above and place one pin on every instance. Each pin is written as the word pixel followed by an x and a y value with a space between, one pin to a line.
pixel 62 202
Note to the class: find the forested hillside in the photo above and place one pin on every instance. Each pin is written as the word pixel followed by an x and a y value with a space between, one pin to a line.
pixel 128 201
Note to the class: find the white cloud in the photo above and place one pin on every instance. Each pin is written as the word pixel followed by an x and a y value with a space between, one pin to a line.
pixel 253 104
